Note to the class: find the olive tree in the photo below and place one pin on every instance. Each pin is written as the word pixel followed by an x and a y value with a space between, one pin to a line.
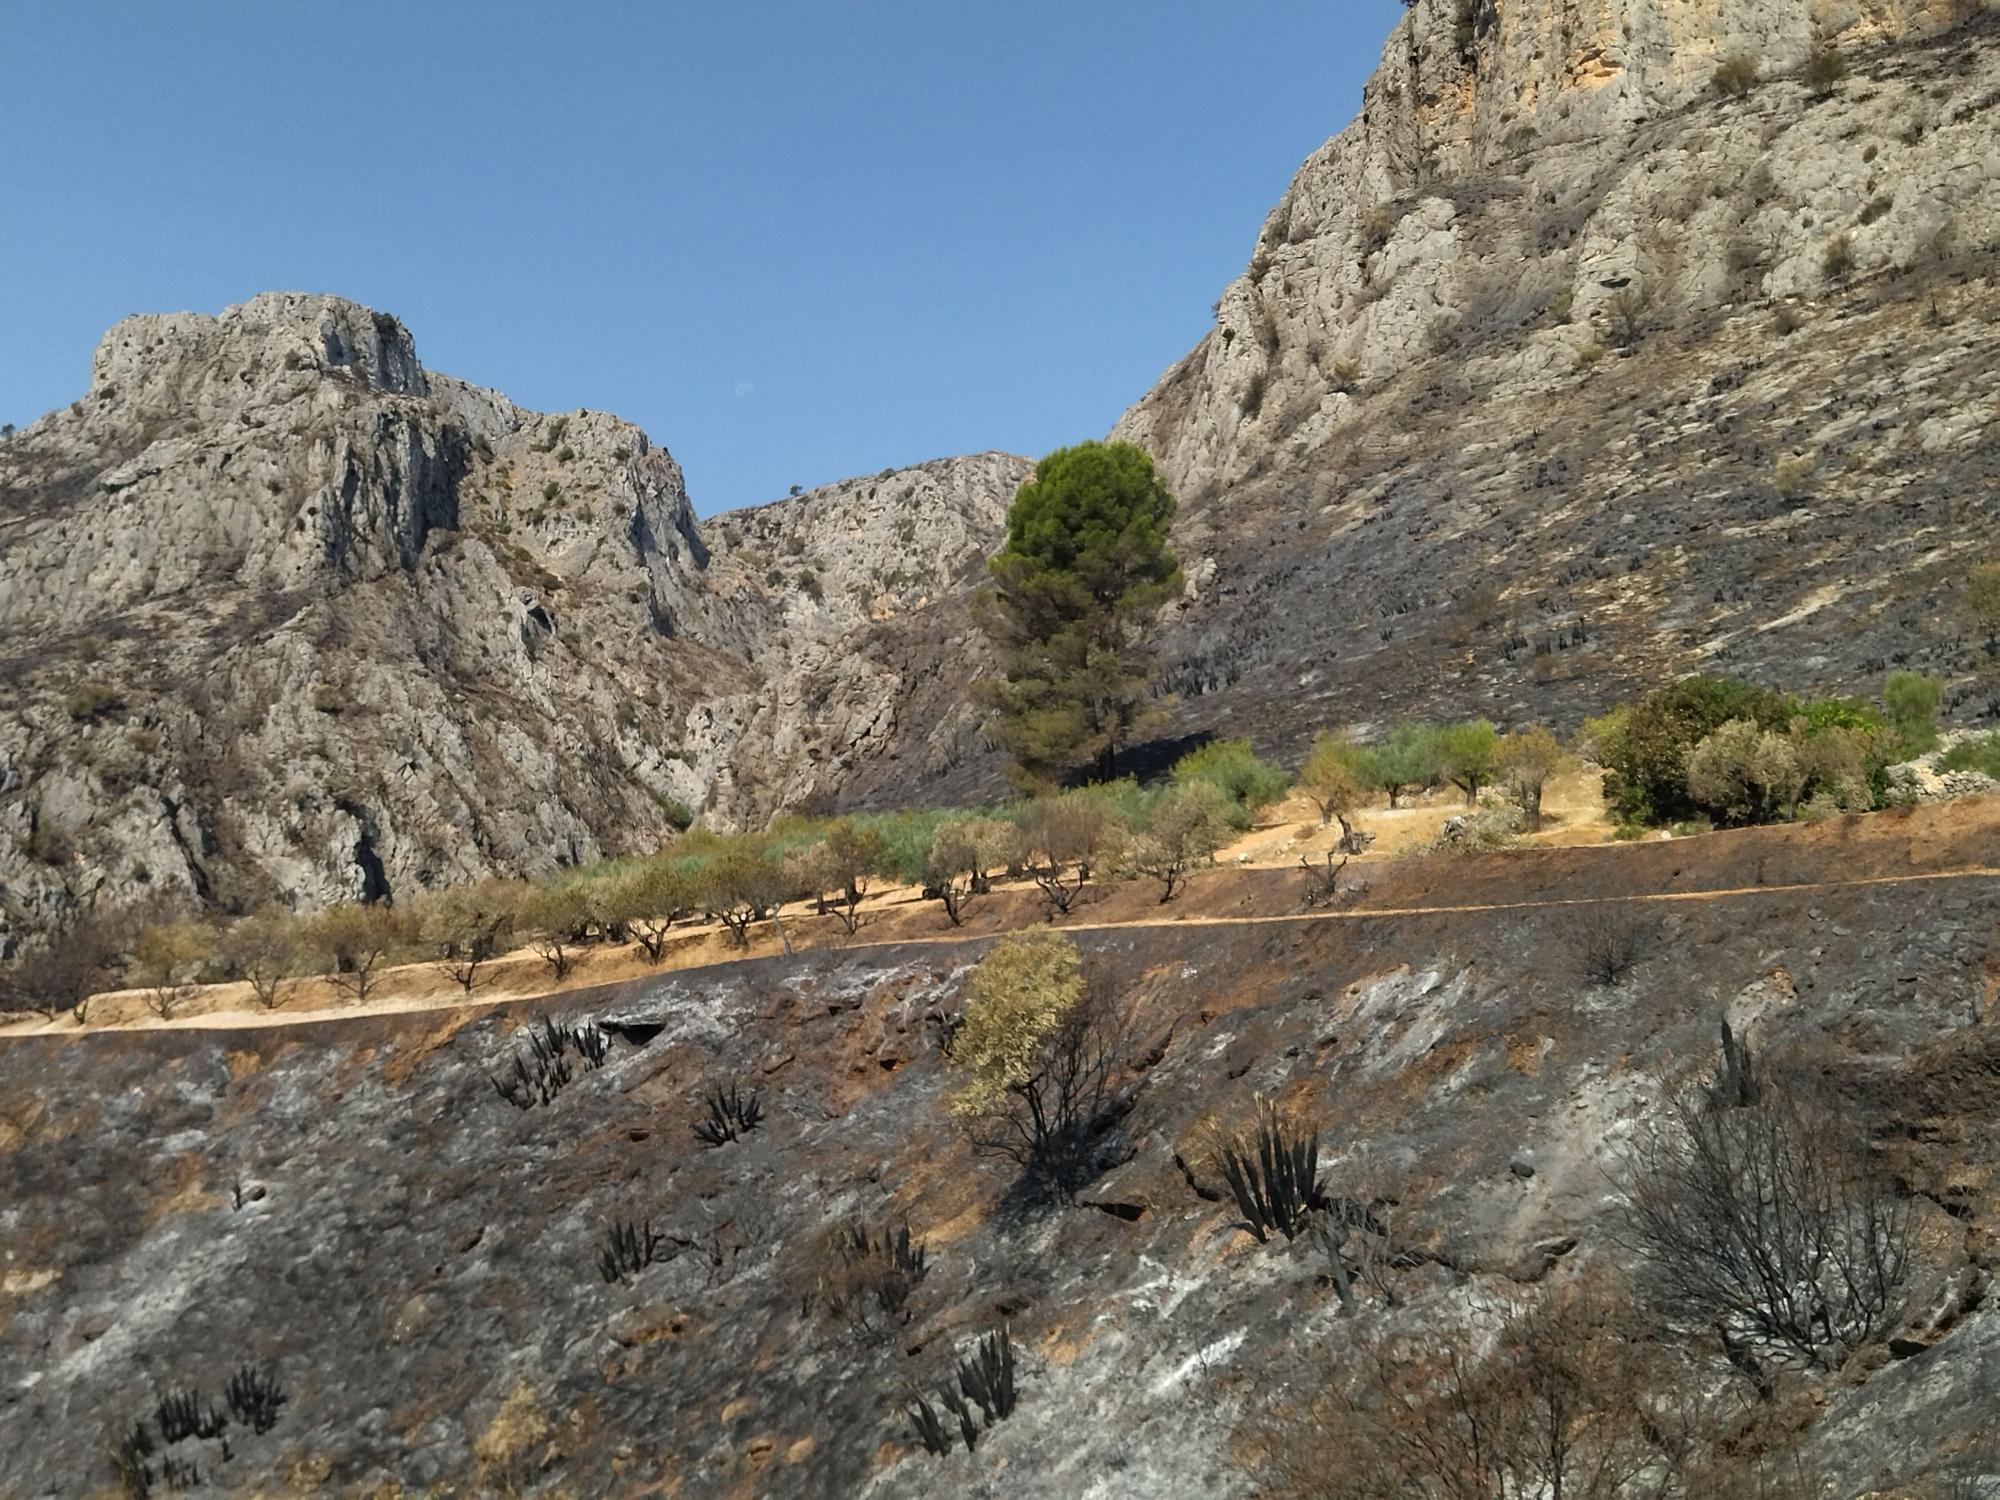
pixel 1036 1049
pixel 1189 823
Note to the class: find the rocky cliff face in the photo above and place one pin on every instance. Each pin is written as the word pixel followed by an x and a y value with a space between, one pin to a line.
pixel 1527 179
pixel 290 617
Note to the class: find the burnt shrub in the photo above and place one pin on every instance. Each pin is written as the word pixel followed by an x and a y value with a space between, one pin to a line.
pixel 254 1397
pixel 730 1116
pixel 1606 944
pixel 1759 1212
pixel 985 1380
pixel 627 1250
pixel 1273 1172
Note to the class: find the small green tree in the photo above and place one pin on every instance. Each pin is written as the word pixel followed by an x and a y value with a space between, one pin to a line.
pixel 555 919
pixel 1246 783
pixel 1066 837
pixel 1036 1048
pixel 849 856
pixel 1404 762
pixel 1334 778
pixel 167 961
pixel 264 950
pixel 744 883
pixel 1982 603
pixel 1189 823
pixel 1084 569
pixel 466 925
pixel 648 899
pixel 1525 760
pixel 1912 699
pixel 1465 754
pixel 354 940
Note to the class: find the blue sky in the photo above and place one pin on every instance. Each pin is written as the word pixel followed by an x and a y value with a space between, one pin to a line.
pixel 793 240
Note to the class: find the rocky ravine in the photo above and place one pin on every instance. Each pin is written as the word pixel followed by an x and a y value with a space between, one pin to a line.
pixel 289 615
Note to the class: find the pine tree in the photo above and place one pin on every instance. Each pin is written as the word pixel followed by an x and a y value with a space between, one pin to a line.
pixel 1084 571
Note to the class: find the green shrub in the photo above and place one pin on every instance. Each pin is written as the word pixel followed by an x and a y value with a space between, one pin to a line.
pixel 679 815
pixel 1981 755
pixel 1912 700
pixel 1230 765
pixel 1838 261
pixel 1744 773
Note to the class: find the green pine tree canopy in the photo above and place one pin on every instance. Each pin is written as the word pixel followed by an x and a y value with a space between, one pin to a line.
pixel 1084 571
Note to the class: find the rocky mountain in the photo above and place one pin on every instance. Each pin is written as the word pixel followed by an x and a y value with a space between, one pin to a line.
pixel 289 616
pixel 1610 341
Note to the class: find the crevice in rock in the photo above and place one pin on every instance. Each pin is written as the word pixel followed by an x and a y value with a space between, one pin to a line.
pixel 634 1033
pixel 1129 1212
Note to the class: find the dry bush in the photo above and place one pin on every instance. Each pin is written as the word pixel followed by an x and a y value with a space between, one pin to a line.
pixel 1189 823
pixel 1759 1213
pixel 354 941
pixel 1607 943
pixel 1735 75
pixel 1556 1400
pixel 847 1275
pixel 63 974
pixel 1066 837
pixel 264 949
pixel 167 961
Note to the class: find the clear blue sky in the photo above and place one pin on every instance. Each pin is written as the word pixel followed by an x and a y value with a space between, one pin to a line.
pixel 793 240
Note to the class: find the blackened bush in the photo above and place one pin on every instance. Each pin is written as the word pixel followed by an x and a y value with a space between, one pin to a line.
pixel 1607 945
pixel 988 1377
pixel 183 1414
pixel 254 1397
pixel 628 1249
pixel 730 1116
pixel 930 1431
pixel 1274 1175
pixel 1767 1220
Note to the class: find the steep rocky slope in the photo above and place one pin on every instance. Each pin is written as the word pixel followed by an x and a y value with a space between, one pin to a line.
pixel 288 615
pixel 1557 372
pixel 352 1204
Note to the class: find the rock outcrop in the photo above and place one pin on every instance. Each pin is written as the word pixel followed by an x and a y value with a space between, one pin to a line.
pixel 1562 371
pixel 1563 171
pixel 291 618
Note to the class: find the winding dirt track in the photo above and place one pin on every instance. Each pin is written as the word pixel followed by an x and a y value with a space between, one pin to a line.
pixel 236 1020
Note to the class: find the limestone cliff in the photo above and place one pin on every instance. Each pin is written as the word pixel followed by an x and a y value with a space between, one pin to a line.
pixel 1526 180
pixel 290 617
